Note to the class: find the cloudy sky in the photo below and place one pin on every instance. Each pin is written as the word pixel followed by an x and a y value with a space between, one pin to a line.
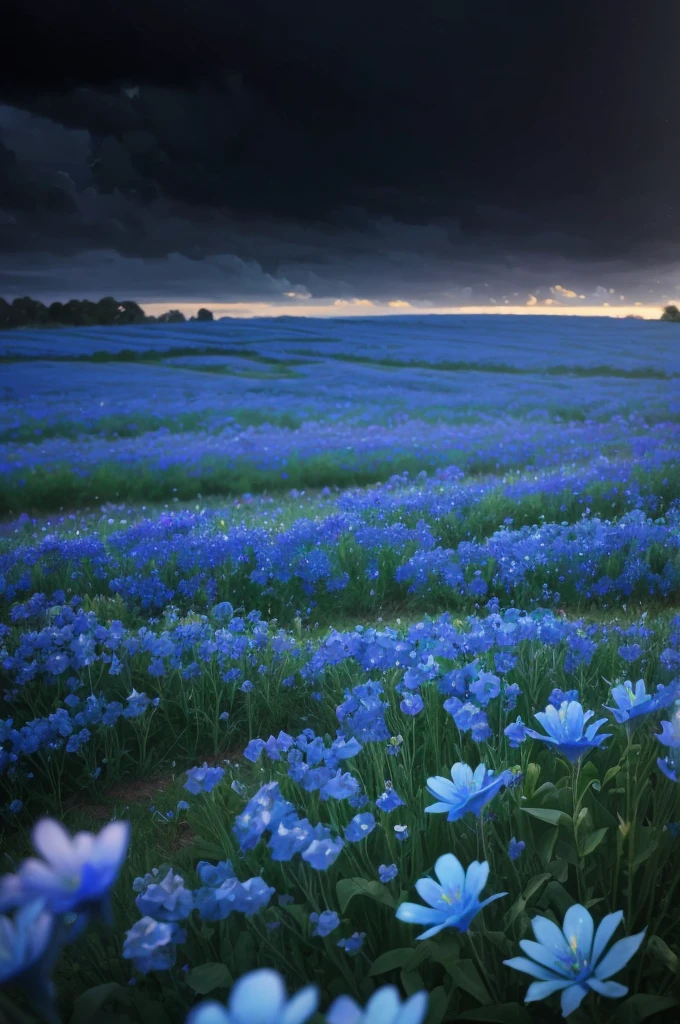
pixel 328 156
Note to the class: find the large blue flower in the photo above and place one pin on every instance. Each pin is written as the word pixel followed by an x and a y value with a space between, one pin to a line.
pixel 564 730
pixel 454 902
pixel 77 872
pixel 468 792
pixel 258 996
pixel 384 1007
pixel 571 961
pixel 633 703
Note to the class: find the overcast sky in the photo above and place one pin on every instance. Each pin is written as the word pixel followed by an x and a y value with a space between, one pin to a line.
pixel 336 155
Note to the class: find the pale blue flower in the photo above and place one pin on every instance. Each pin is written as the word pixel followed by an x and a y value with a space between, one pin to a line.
pixel 76 873
pixel 564 729
pixel 633 703
pixel 259 997
pixel 384 1007
pixel 670 737
pixel 454 902
pixel 467 793
pixel 24 940
pixel 515 849
pixel 571 960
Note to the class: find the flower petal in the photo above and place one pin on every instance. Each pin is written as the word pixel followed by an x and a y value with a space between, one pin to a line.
pixel 605 930
pixel 550 936
pixel 578 930
pixel 520 963
pixel 301 1006
pixel 450 872
pixel 415 913
pixel 619 955
pixel 608 989
pixel 54 844
pixel 543 989
pixel 259 997
pixel 476 878
pixel 572 998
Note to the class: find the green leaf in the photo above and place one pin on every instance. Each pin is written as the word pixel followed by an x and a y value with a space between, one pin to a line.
pixel 395 959
pixel 348 888
pixel 437 1005
pixel 411 982
pixel 534 884
pixel 593 841
pixel 657 948
pixel 641 1007
pixel 89 1005
pixel 545 846
pixel 465 975
pixel 530 781
pixel 208 977
pixel 499 1013
pixel 547 814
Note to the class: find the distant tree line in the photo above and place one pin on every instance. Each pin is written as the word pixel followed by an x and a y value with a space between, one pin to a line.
pixel 108 312
pixel 671 313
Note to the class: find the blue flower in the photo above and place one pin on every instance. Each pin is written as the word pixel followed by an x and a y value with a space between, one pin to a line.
pixel 564 730
pixel 515 849
pixel 390 800
pixel 77 872
pixel 571 961
pixel 24 940
pixel 486 687
pixel 203 779
pixel 454 902
pixel 670 737
pixel 353 944
pixel 401 832
pixel 321 853
pixel 359 827
pixel 258 996
pixel 632 703
pixel 516 732
pixel 387 872
pixel 412 704
pixel 151 945
pixel 384 1007
pixel 469 791
pixel 326 922
pixel 167 900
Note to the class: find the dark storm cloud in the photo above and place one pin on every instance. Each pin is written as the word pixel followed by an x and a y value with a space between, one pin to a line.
pixel 443 148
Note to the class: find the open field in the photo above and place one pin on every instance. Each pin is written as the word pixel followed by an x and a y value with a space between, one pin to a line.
pixel 258 600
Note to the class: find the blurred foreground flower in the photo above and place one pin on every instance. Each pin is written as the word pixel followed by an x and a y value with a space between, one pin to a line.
pixel 384 1007
pixel 258 996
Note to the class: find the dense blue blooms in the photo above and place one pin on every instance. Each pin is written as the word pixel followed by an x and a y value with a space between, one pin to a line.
pixel 573 960
pixel 167 900
pixel 452 903
pixel 632 702
pixel 353 944
pixel 516 732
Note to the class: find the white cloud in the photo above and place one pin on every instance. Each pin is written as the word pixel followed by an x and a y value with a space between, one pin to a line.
pixel 532 301
pixel 565 293
pixel 399 304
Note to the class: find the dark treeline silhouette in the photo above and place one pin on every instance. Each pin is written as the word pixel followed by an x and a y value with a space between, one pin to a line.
pixel 108 312
pixel 671 313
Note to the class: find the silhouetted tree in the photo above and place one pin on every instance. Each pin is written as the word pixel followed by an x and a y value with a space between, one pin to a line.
pixel 671 313
pixel 4 312
pixel 173 316
pixel 204 314
pixel 28 312
pixel 130 313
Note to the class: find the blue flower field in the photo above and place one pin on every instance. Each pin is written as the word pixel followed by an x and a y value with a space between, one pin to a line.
pixel 341 672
